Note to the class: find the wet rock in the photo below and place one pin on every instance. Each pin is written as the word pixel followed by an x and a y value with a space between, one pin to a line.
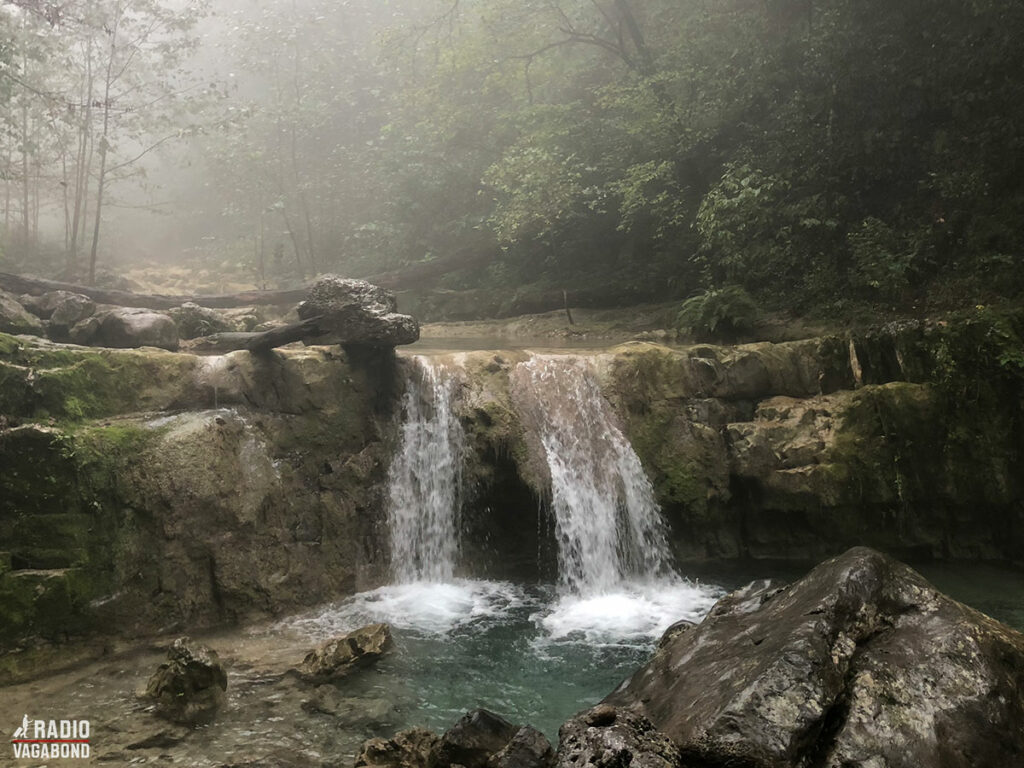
pixel 340 656
pixel 607 737
pixel 14 318
pixel 194 321
pixel 473 739
pixel 72 309
pixel 529 748
pixel 406 749
pixel 349 710
pixel 861 662
pixel 127 327
pixel 357 312
pixel 189 687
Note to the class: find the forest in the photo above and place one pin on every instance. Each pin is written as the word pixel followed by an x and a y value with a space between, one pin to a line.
pixel 828 157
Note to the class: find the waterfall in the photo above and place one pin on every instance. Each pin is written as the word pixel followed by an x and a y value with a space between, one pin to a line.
pixel 607 523
pixel 425 478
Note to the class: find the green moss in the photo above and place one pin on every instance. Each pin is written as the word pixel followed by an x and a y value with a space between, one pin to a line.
pixel 676 466
pixel 8 345
pixel 76 384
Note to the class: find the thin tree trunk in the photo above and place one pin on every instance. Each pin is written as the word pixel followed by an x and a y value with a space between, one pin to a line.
pixel 83 162
pixel 101 180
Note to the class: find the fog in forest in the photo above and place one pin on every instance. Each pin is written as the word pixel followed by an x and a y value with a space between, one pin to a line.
pixel 809 152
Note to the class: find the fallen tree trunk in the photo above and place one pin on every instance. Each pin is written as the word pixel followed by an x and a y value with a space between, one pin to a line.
pixel 37 286
pixel 305 331
pixel 412 275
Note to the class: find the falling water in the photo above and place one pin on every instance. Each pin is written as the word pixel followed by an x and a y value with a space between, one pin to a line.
pixel 425 478
pixel 607 522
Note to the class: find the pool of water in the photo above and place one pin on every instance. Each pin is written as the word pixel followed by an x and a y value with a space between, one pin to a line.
pixel 525 652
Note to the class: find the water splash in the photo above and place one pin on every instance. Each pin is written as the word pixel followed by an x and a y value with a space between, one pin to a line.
pixel 424 484
pixel 607 523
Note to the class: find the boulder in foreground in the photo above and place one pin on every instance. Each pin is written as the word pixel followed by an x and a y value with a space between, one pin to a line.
pixel 860 663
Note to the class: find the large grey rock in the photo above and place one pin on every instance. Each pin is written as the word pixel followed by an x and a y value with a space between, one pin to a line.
pixel 472 741
pixel 357 312
pixel 338 657
pixel 14 318
pixel 861 662
pixel 606 737
pixel 194 321
pixel 189 687
pixel 127 327
pixel 72 309
pixel 406 749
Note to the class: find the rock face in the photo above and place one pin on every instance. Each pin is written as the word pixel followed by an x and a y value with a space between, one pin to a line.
pixel 143 488
pixel 189 687
pixel 606 737
pixel 861 662
pixel 126 328
pixel 14 318
pixel 339 657
pixel 358 312
pixel 406 749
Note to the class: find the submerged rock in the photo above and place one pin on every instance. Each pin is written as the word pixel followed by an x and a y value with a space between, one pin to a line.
pixel 189 687
pixel 406 749
pixel 349 710
pixel 473 739
pixel 14 318
pixel 357 312
pixel 606 737
pixel 340 656
pixel 127 327
pixel 861 662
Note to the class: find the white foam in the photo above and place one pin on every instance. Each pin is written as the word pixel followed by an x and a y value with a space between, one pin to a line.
pixel 630 613
pixel 422 606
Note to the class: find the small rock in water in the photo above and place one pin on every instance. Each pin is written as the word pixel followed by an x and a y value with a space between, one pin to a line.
pixel 406 749
pixel 189 687
pixel 340 656
pixel 473 739
pixel 607 737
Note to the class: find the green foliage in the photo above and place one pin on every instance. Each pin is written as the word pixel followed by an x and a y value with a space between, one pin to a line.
pixel 722 314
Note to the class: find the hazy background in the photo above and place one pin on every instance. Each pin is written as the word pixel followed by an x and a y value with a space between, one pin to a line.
pixel 820 155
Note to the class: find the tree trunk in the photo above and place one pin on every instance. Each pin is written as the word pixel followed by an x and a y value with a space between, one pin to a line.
pixel 104 146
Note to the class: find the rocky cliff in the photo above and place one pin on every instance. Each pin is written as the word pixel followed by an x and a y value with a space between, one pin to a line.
pixel 146 490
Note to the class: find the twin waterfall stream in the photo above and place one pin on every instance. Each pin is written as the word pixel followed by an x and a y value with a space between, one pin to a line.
pixel 534 652
pixel 615 579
